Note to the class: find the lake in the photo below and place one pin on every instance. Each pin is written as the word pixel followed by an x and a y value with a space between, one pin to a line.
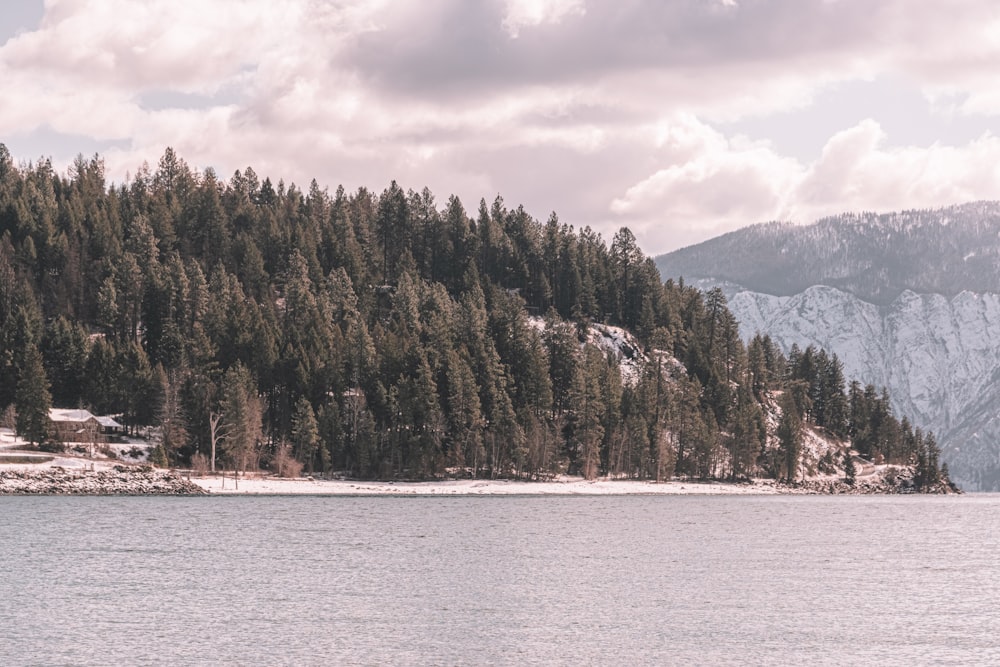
pixel 625 580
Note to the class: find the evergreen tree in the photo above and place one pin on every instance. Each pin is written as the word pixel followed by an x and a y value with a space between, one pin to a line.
pixel 305 433
pixel 32 399
pixel 408 328
pixel 790 438
pixel 64 351
pixel 850 470
pixel 241 414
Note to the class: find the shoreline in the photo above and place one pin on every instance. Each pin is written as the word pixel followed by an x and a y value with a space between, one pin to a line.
pixel 562 486
pixel 477 487
pixel 60 475
pixel 115 480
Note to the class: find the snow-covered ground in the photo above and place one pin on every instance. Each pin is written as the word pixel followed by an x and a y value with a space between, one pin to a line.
pixel 565 486
pixel 13 458
pixel 263 484
pixel 619 342
pixel 623 345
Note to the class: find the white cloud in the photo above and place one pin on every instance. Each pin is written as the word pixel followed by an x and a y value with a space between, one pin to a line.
pixel 531 13
pixel 601 111
pixel 706 184
pixel 723 184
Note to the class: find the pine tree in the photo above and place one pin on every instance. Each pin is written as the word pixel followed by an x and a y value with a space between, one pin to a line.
pixel 789 437
pixel 173 423
pixel 850 470
pixel 745 434
pixel 305 433
pixel 32 398
pixel 403 323
pixel 241 413
pixel 64 352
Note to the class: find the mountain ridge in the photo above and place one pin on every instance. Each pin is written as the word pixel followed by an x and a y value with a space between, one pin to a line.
pixel 916 325
pixel 874 256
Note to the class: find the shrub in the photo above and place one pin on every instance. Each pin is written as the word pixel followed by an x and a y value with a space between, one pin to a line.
pixel 53 447
pixel 284 464
pixel 199 464
pixel 826 464
pixel 158 457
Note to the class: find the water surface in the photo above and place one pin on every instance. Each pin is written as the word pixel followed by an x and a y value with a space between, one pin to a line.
pixel 499 580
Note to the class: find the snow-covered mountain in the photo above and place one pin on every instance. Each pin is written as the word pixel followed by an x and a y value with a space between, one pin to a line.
pixel 909 314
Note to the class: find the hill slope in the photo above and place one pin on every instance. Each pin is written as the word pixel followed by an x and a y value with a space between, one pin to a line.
pixel 908 301
pixel 381 336
pixel 873 256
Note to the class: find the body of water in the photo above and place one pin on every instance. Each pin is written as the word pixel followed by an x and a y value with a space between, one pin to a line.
pixel 634 580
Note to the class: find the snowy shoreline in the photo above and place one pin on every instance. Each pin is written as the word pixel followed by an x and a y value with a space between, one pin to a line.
pixel 48 479
pixel 562 486
pixel 104 481
pixel 24 471
pixel 475 487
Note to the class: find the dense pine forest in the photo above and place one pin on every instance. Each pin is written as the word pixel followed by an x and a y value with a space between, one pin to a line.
pixel 390 335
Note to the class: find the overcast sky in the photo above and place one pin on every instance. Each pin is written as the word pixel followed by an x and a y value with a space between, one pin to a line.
pixel 681 119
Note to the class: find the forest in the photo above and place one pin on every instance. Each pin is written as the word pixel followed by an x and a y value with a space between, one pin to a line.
pixel 390 336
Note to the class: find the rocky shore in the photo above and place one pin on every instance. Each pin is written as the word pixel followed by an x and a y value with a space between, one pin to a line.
pixel 117 481
pixel 900 483
pixel 121 480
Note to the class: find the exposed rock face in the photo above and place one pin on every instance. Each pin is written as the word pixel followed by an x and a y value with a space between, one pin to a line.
pixel 939 358
pixel 908 301
pixel 121 481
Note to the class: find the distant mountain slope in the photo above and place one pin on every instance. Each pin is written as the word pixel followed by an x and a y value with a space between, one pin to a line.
pixel 873 256
pixel 939 357
pixel 909 301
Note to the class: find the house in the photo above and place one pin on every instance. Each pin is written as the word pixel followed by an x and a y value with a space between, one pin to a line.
pixel 109 426
pixel 81 426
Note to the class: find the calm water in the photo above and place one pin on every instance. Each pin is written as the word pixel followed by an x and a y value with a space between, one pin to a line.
pixel 500 580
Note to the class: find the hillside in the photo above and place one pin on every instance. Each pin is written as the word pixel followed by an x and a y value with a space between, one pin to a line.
pixel 387 336
pixel 872 256
pixel 907 301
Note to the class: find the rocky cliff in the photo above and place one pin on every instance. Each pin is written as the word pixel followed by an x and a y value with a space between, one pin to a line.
pixel 908 301
pixel 938 357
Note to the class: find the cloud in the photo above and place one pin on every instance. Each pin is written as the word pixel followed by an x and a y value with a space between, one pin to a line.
pixel 531 13
pixel 707 184
pixel 187 46
pixel 859 171
pixel 605 112
pixel 711 184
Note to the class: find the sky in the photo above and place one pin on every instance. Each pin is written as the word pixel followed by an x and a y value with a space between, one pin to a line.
pixel 680 119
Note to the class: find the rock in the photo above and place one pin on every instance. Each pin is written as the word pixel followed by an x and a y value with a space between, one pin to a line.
pixel 120 481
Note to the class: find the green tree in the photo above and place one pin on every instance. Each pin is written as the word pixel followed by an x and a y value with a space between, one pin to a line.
pixel 64 350
pixel 173 424
pixel 242 416
pixel 850 470
pixel 32 399
pixel 790 437
pixel 585 426
pixel 744 434
pixel 305 433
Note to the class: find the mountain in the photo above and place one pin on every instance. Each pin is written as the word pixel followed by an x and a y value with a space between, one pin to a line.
pixel 873 256
pixel 909 301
